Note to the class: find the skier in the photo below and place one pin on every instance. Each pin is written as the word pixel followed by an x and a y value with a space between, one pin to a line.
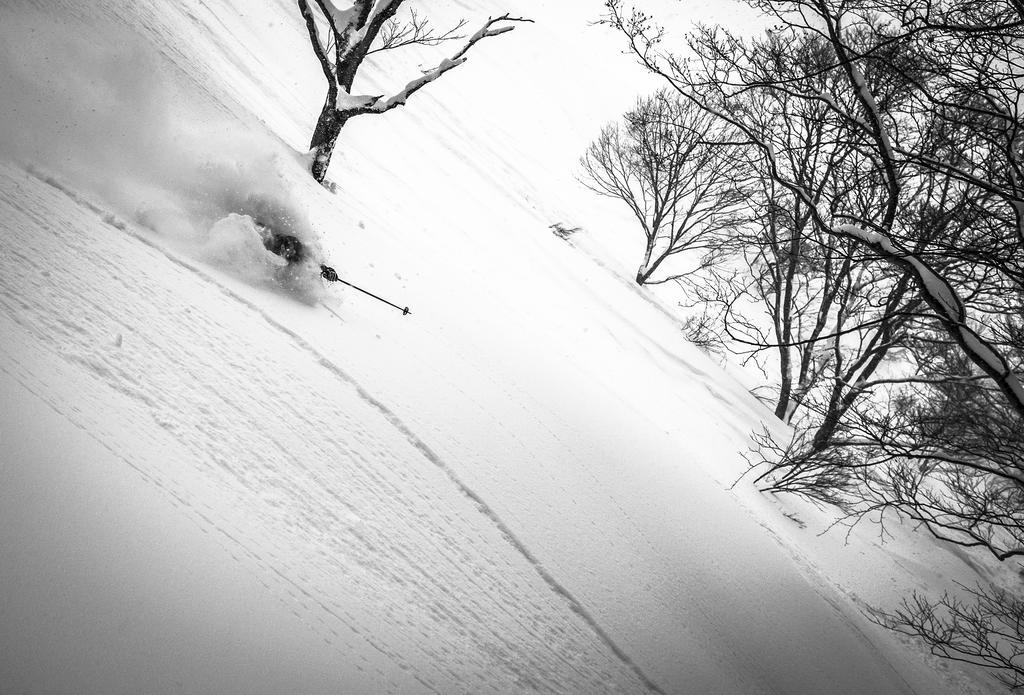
pixel 284 245
pixel 293 251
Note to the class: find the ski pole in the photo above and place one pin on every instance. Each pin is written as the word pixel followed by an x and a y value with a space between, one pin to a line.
pixel 328 273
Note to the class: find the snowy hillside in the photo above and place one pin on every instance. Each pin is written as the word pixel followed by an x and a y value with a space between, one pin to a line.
pixel 210 483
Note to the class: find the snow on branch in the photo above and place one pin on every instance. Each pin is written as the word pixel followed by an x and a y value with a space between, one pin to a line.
pixel 949 309
pixel 339 12
pixel 495 26
pixel 319 49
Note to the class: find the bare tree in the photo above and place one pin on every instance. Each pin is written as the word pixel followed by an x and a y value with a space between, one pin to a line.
pixel 983 628
pixel 669 164
pixel 825 331
pixel 341 39
pixel 935 196
pixel 927 97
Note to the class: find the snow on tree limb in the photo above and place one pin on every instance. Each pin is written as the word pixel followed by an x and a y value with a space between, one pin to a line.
pixel 949 309
pixel 400 98
pixel 873 114
pixel 339 12
pixel 487 30
pixel 314 39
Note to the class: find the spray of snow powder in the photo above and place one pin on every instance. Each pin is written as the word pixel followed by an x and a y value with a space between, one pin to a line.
pixel 109 123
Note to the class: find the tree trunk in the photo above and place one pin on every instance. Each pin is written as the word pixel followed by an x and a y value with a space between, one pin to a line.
pixel 650 264
pixel 328 128
pixel 644 271
pixel 786 386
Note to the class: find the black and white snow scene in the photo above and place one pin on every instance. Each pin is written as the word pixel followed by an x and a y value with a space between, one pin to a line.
pixel 482 347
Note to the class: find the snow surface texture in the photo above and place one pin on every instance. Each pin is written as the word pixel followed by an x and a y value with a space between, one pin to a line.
pixel 208 484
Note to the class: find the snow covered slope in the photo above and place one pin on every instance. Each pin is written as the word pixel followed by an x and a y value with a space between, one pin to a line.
pixel 211 484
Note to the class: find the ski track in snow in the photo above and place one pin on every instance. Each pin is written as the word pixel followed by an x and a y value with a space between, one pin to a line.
pixel 541 644
pixel 417 443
